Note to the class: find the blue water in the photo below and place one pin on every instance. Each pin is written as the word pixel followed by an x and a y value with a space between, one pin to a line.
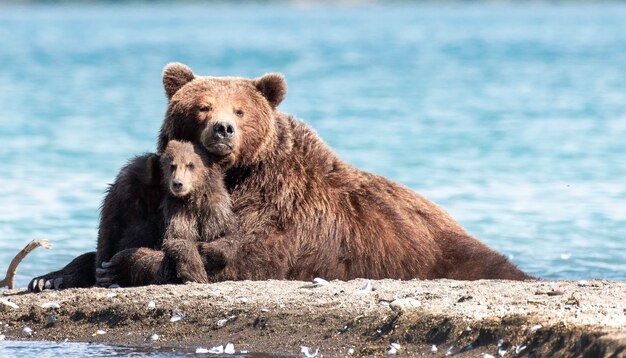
pixel 511 117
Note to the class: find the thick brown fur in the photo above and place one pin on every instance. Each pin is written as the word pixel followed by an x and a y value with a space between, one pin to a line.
pixel 200 211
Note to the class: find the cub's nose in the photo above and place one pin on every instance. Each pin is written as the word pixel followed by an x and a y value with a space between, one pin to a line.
pixel 177 185
pixel 223 130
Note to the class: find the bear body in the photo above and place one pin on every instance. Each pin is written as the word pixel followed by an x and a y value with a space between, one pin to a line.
pixel 301 211
pixel 196 207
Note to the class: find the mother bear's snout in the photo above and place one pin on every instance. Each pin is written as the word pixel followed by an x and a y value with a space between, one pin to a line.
pixel 223 130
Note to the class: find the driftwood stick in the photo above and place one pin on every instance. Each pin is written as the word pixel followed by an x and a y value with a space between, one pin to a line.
pixel 8 280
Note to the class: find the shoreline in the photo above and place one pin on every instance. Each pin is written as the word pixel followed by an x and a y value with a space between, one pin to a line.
pixel 469 319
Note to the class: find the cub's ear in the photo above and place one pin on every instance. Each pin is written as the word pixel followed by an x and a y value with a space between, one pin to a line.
pixel 175 75
pixel 153 170
pixel 273 87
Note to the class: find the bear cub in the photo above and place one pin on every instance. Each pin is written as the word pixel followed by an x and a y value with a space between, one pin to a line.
pixel 196 208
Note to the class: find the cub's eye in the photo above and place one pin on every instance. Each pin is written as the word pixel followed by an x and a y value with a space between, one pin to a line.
pixel 172 167
pixel 204 108
pixel 190 166
pixel 239 113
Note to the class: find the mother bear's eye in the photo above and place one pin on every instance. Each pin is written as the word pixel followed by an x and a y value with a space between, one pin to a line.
pixel 190 166
pixel 173 167
pixel 239 113
pixel 204 108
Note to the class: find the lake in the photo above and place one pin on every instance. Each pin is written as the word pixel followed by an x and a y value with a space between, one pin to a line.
pixel 511 117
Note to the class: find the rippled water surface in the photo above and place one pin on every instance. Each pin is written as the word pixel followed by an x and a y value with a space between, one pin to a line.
pixel 513 118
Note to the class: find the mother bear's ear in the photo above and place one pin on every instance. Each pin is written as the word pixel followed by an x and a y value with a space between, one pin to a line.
pixel 273 87
pixel 175 75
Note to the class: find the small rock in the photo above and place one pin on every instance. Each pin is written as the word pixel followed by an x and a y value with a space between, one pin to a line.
pixel 111 295
pixel 264 310
pixel 52 320
pixel 201 351
pixel 2 337
pixel 27 330
pixel 468 329
pixel 350 350
pixel 320 282
pixel 151 305
pixel 487 355
pixel 229 349
pixel 405 304
pixel 535 327
pixel 243 300
pixel 8 303
pixel 281 305
pixel 154 337
pixel 243 352
pixel 434 349
pixel 216 350
pixel 99 333
pixel 582 283
pixel 50 305
pixel 177 317
pixel 115 285
pixel 221 322
pixel 367 288
pixel 500 342
pixel 502 352
pixel 518 349
pixel 307 352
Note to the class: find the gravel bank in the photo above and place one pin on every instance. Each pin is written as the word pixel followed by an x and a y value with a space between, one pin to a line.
pixel 466 318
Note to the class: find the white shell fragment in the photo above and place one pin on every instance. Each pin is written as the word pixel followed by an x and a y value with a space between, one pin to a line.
pixel 216 350
pixel 51 305
pixel 535 327
pixel 393 348
pixel 434 349
pixel 99 333
pixel 405 303
pixel 243 299
pixel 27 331
pixel 350 350
pixel 151 305
pixel 502 352
pixel 518 349
pixel 367 288
pixel 201 351
pixel 221 322
pixel 307 351
pixel 243 352
pixel 487 355
pixel 8 303
pixel 177 317
pixel 154 337
pixel 229 349
pixel 318 282
pixel 2 337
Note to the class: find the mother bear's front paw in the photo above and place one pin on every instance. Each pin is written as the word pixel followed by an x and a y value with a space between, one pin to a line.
pixel 51 281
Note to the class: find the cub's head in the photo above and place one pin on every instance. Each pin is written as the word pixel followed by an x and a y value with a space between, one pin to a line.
pixel 232 118
pixel 184 168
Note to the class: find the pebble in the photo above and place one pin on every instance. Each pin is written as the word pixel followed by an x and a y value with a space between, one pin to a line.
pixel 243 300
pixel 99 333
pixel 405 303
pixel 8 303
pixel 365 289
pixel 535 327
pixel 350 350
pixel 393 349
pixel 434 349
pixel 583 283
pixel 111 295
pixel 52 320
pixel 307 351
pixel 216 350
pixel 502 352
pixel 221 322
pixel 50 305
pixel 320 282
pixel 201 351
pixel 243 352
pixel 154 337
pixel 177 317
pixel 487 355
pixel 229 349
pixel 27 330
pixel 2 337
pixel 518 349
pixel 151 305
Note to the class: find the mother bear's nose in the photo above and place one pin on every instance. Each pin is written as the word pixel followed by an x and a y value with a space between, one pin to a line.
pixel 223 130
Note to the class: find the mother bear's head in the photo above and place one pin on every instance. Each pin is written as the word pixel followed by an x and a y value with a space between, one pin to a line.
pixel 233 118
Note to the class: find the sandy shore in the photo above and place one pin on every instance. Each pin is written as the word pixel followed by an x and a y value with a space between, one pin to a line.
pixel 548 319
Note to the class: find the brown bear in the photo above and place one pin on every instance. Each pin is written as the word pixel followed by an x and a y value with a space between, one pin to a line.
pixel 196 208
pixel 302 212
